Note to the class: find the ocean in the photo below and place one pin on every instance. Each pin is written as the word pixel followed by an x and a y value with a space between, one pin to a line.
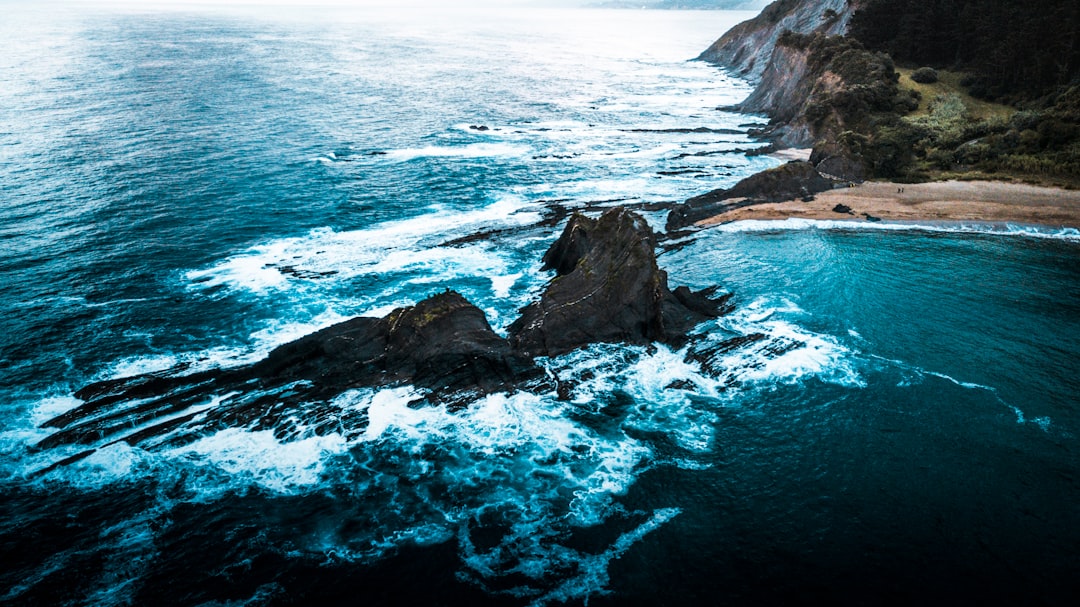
pixel 187 188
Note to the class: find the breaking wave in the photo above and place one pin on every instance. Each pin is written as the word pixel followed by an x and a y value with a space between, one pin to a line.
pixel 1002 229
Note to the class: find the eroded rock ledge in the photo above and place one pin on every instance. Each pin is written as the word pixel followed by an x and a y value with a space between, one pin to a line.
pixel 790 181
pixel 608 288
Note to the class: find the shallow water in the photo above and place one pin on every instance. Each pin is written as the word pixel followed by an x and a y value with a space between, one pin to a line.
pixel 198 186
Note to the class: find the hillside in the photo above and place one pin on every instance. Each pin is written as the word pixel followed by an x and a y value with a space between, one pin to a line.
pixel 828 81
pixel 1013 49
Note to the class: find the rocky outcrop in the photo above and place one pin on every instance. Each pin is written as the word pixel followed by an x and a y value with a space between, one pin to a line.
pixel 747 49
pixel 442 344
pixel 790 181
pixel 608 288
pixel 836 162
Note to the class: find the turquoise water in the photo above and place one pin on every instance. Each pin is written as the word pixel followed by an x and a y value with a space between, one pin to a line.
pixel 194 187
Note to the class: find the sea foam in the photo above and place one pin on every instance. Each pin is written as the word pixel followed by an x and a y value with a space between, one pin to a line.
pixel 473 150
pixel 1003 229
pixel 395 246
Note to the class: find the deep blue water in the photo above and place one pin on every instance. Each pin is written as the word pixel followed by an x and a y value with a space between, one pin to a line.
pixel 197 186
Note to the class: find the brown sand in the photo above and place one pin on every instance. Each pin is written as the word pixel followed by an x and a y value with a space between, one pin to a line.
pixel 960 201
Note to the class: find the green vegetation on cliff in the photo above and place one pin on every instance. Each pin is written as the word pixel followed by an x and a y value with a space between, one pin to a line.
pixel 1013 49
pixel 956 106
pixel 854 107
pixel 1026 59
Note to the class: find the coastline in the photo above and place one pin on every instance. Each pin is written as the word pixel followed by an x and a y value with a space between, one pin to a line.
pixel 948 201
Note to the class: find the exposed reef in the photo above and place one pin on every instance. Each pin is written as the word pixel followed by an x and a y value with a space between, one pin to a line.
pixel 607 288
pixel 443 345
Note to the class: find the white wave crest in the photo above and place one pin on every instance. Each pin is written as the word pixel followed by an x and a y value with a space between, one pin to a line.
pixel 796 353
pixel 914 375
pixel 259 344
pixel 257 458
pixel 396 246
pixel 1003 229
pixel 473 150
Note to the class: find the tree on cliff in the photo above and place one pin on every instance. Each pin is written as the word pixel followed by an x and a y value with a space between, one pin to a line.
pixel 1015 48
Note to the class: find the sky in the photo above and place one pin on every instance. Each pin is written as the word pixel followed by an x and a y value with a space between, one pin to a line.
pixel 441 3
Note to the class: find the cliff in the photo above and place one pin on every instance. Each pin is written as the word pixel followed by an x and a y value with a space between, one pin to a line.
pixel 824 79
pixel 747 49
pixel 818 85
pixel 775 49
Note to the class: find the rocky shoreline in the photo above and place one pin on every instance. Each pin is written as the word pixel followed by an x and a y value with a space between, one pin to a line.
pixel 823 92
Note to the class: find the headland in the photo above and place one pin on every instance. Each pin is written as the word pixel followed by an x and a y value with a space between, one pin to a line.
pixel 873 129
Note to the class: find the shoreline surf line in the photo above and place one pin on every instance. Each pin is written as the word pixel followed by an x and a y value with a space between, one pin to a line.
pixel 985 202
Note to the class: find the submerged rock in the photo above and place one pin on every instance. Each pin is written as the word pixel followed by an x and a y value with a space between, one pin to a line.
pixel 791 181
pixel 608 288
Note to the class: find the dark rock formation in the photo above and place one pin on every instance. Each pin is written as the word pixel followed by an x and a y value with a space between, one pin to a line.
pixel 442 344
pixel 842 209
pixel 608 288
pixel 708 355
pixel 841 166
pixel 786 182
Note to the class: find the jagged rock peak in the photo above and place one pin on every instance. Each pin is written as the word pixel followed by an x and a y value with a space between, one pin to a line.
pixel 608 288
pixel 445 343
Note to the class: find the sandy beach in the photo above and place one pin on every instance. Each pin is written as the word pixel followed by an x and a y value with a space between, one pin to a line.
pixel 962 201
